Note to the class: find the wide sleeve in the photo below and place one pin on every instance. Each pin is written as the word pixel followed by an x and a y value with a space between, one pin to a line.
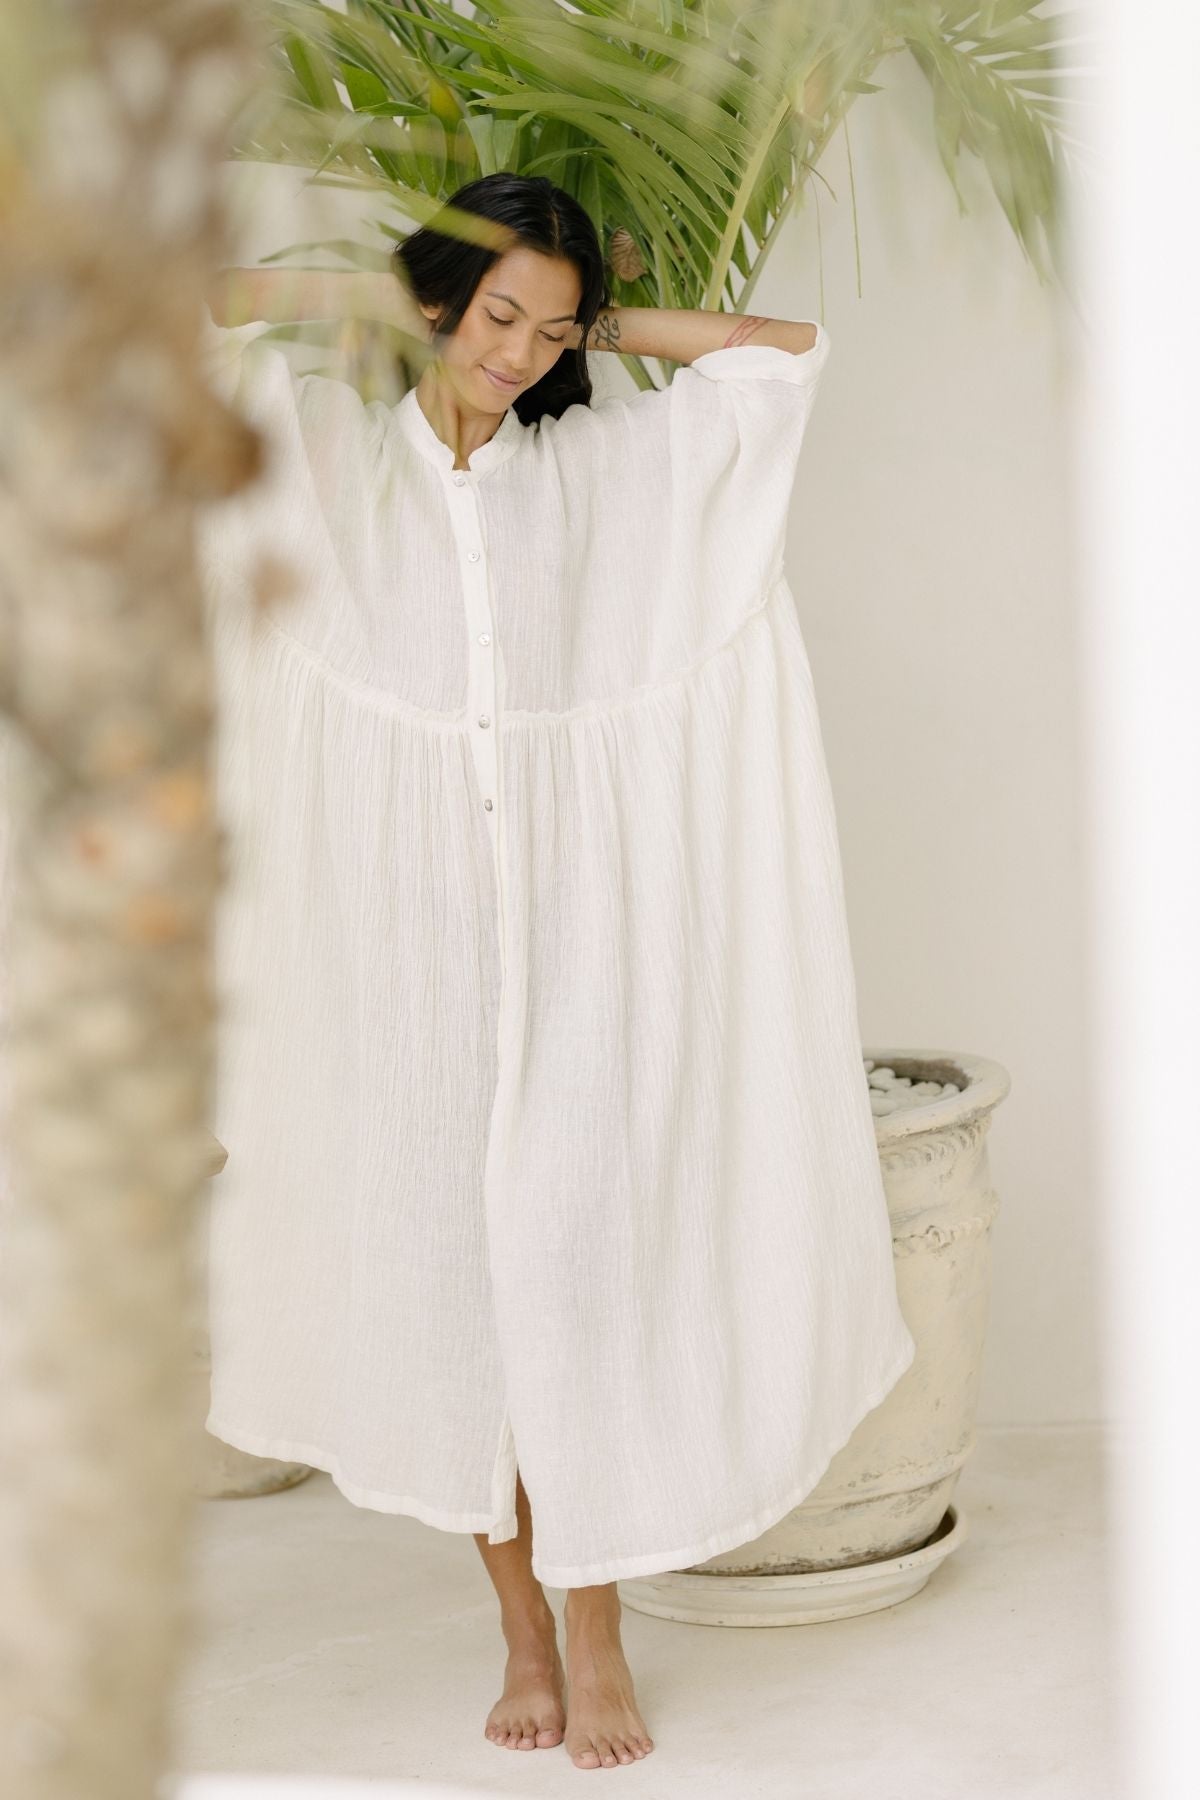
pixel 726 431
pixel 306 514
pixel 223 353
pixel 755 401
pixel 695 480
pixel 320 441
pixel 272 554
pixel 255 379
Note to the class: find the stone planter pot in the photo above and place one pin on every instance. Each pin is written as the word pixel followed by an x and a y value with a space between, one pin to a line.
pixel 880 1519
pixel 223 1472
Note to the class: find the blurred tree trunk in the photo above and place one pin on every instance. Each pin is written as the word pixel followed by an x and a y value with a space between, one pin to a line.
pixel 110 229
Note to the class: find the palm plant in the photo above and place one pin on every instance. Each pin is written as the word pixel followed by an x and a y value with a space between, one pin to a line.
pixel 688 129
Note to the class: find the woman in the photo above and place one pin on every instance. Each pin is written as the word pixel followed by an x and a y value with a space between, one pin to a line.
pixel 553 1211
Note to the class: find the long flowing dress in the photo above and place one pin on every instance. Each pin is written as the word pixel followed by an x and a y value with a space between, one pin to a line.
pixel 550 1144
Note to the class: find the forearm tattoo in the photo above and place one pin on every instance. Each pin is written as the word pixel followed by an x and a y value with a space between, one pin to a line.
pixel 606 332
pixel 744 328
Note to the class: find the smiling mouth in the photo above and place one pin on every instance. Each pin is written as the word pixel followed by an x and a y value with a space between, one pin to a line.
pixel 498 378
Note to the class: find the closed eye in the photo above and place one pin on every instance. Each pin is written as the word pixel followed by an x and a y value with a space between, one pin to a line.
pixel 549 336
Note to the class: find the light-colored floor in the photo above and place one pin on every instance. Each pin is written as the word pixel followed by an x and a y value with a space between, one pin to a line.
pixel 347 1654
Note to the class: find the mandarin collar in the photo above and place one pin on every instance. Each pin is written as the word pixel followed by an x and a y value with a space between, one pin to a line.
pixel 420 433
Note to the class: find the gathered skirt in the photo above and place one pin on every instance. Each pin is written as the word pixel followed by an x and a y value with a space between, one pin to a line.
pixel 550 1148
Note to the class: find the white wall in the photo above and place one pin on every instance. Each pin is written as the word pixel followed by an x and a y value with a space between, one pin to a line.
pixel 929 553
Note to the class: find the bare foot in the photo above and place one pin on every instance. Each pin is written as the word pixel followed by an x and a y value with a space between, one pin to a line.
pixel 529 1715
pixel 604 1726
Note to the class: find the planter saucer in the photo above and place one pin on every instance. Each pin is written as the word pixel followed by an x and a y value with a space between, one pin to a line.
pixel 805 1599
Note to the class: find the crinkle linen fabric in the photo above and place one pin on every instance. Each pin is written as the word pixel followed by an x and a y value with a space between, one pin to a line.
pixel 549 1138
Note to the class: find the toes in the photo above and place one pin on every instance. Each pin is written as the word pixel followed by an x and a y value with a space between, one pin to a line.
pixel 527 1734
pixel 606 1752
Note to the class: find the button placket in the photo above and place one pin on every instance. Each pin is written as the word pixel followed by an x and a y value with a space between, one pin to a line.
pixel 482 674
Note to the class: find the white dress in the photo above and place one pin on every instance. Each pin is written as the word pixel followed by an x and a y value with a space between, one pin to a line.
pixel 549 1137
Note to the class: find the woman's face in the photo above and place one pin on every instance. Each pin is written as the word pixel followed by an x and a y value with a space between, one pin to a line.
pixel 515 327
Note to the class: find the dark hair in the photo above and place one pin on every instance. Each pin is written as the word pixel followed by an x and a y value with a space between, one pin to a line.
pixel 444 270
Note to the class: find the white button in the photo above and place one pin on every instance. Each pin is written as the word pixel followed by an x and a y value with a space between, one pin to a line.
pixel 485 637
pixel 484 720
pixel 487 805
pixel 460 481
pixel 472 556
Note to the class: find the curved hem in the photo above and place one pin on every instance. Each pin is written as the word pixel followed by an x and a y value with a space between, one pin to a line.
pixel 373 1499
pixel 729 1537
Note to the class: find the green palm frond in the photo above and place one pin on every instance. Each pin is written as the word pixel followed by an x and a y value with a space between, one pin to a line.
pixel 693 125
pixel 994 75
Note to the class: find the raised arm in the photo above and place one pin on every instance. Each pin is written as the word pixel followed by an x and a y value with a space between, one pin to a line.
pixel 680 334
pixel 239 296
